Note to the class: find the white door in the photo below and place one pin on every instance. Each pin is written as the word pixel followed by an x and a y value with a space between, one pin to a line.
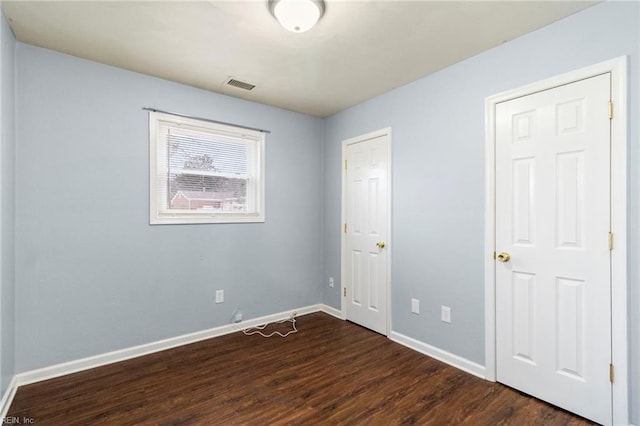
pixel 553 303
pixel 366 230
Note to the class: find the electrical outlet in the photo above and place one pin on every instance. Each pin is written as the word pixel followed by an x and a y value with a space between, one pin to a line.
pixel 331 283
pixel 219 296
pixel 415 306
pixel 445 314
pixel 237 316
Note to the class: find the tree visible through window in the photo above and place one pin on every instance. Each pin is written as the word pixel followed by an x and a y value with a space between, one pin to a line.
pixel 204 172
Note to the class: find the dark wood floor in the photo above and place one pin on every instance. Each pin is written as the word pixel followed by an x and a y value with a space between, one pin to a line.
pixel 331 372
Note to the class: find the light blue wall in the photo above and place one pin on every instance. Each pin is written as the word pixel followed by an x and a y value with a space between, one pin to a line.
pixel 438 175
pixel 7 204
pixel 92 275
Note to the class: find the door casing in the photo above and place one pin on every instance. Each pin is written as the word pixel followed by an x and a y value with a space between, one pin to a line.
pixel 375 134
pixel 618 69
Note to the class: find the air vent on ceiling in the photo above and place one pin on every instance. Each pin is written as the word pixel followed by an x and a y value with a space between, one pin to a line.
pixel 240 84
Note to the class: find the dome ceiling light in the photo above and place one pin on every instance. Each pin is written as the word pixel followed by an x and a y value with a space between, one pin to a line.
pixel 297 16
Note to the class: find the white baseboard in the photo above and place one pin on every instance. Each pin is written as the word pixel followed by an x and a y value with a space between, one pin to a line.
pixel 439 354
pixel 7 398
pixel 75 366
pixel 332 311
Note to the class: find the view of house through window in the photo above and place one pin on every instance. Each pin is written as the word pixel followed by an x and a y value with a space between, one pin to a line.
pixel 204 172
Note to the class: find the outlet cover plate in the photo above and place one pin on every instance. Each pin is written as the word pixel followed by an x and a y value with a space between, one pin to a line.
pixel 415 306
pixel 219 296
pixel 445 314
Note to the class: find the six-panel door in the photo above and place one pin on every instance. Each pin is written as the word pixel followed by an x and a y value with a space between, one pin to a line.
pixel 366 259
pixel 553 313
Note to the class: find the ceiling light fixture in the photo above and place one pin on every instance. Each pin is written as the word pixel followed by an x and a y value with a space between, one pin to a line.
pixel 297 16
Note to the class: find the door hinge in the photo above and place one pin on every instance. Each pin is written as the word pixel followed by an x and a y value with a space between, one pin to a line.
pixel 345 164
pixel 610 110
pixel 610 241
pixel 611 373
pixel 345 228
pixel 344 291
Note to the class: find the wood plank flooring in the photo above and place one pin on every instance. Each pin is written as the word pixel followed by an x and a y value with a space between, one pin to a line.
pixel 331 372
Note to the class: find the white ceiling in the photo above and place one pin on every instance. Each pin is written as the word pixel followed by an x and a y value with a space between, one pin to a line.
pixel 358 50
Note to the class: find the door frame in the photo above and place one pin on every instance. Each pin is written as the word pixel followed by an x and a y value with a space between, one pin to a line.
pixel 618 69
pixel 343 219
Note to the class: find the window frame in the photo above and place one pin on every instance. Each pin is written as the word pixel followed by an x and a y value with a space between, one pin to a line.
pixel 160 213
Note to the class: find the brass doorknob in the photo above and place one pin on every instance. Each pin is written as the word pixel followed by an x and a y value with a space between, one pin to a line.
pixel 381 244
pixel 503 257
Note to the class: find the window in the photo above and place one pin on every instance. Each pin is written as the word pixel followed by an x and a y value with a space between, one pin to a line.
pixel 203 172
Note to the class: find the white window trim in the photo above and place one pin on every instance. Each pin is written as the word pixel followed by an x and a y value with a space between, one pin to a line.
pixel 156 216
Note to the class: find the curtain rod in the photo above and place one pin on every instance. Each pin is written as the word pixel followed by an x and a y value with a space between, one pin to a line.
pixel 206 119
